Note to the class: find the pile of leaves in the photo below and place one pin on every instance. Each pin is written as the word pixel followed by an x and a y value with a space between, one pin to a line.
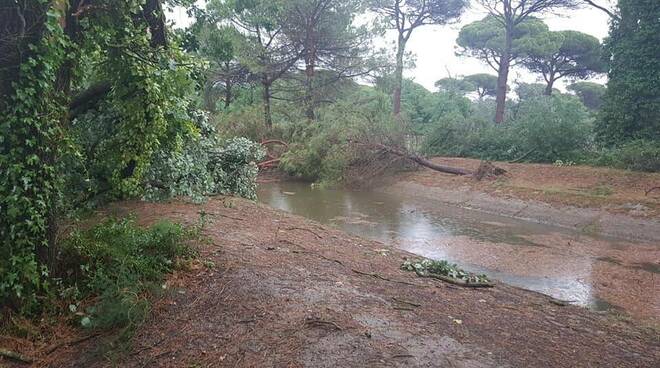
pixel 445 271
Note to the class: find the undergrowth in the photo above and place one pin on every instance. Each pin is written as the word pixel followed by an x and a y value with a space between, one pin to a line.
pixel 108 273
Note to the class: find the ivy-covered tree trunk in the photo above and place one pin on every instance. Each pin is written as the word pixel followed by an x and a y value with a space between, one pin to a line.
pixel 30 142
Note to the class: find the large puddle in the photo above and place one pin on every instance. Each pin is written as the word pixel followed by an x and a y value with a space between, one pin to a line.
pixel 588 271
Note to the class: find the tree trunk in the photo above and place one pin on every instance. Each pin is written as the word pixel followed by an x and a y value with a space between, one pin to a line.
pixel 398 76
pixel 309 90
pixel 228 93
pixel 548 87
pixel 503 76
pixel 422 161
pixel 268 119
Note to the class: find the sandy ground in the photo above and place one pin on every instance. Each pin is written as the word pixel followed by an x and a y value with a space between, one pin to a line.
pixel 276 290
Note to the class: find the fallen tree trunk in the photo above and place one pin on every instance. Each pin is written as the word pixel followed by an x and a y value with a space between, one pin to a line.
pixel 422 161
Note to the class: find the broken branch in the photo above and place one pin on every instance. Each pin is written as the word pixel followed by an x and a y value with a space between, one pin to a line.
pixel 12 355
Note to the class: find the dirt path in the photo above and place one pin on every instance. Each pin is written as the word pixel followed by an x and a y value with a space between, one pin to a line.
pixel 275 290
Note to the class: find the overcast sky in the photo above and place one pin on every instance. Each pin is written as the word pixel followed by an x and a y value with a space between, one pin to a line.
pixel 434 46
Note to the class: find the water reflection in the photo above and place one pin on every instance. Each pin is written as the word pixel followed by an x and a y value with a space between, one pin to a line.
pixel 490 244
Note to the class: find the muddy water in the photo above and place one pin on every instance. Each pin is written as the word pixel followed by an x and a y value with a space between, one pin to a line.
pixel 589 271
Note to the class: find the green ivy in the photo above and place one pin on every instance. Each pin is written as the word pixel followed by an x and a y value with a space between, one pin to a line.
pixel 30 142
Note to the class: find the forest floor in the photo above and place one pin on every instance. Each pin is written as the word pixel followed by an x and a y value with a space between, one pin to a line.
pixel 271 289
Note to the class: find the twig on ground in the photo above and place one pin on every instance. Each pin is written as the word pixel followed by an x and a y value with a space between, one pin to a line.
pixel 225 216
pixel 403 309
pixel 650 190
pixel 320 322
pixel 561 303
pixel 330 259
pixel 402 356
pixel 377 276
pixel 71 342
pixel 304 229
pixel 406 302
pixel 12 355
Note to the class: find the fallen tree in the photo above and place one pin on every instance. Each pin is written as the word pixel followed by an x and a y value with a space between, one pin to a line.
pixel 422 161
pixel 272 159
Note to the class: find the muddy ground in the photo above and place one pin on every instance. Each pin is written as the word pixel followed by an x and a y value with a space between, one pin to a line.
pixel 596 201
pixel 275 290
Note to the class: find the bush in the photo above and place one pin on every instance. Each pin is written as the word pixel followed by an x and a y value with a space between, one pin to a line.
pixel 638 155
pixel 540 129
pixel 108 270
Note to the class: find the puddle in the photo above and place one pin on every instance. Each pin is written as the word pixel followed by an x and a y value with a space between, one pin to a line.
pixel 566 265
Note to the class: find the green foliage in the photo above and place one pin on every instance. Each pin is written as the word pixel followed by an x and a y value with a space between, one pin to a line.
pixel 204 166
pixel 526 91
pixel 542 129
pixel 454 85
pixel 245 121
pixel 484 84
pixel 565 54
pixel 632 102
pixel 30 136
pixel 428 267
pixel 638 155
pixel 590 93
pixel 323 151
pixel 109 270
pixel 485 39
pixel 139 131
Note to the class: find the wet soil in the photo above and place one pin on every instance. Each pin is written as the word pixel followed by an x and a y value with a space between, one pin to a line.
pixel 593 201
pixel 272 289
pixel 612 190
pixel 597 272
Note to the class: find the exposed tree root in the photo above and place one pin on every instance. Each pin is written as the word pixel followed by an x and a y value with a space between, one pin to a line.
pixel 488 170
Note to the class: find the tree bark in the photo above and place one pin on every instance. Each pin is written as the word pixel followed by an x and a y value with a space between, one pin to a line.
pixel 398 76
pixel 422 161
pixel 548 87
pixel 309 90
pixel 268 119
pixel 503 76
pixel 228 93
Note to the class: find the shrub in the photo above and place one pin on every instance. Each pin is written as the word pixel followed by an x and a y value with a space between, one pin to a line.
pixel 540 129
pixel 107 271
pixel 638 155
